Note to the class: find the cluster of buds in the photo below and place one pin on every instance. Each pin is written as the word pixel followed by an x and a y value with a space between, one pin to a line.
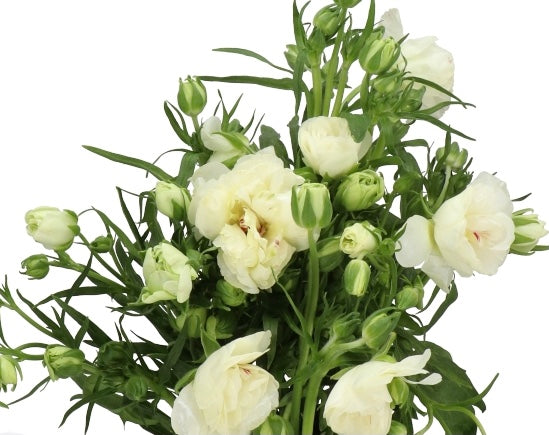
pixel 452 156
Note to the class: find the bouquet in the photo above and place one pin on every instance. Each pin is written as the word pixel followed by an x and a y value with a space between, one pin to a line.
pixel 284 275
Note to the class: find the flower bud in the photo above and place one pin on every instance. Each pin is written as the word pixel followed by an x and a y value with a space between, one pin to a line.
pixel 229 294
pixel 193 321
pixel 347 3
pixel 397 428
pixel 171 200
pixel 359 190
pixel 275 425
pixel 311 206
pixel 136 388
pixel 453 156
pixel 410 296
pixel 36 266
pixel 308 173
pixel 192 96
pixel 356 277
pixel 63 362
pixel 380 55
pixel 328 19
pixel 528 230
pixel 411 181
pixel 222 325
pixel 377 327
pixel 329 254
pixel 8 370
pixel 291 55
pixel 388 83
pixel 102 244
pixel 412 100
pixel 399 390
pixel 53 228
pixel 359 239
pixel 114 355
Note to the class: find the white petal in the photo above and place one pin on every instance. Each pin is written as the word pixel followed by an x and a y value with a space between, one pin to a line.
pixel 439 271
pixel 416 244
pixel 187 419
pixel 392 24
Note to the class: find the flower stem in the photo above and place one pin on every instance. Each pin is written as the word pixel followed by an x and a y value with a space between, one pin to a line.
pixel 343 75
pixel 311 400
pixel 196 124
pixel 332 68
pixel 317 88
pixel 442 195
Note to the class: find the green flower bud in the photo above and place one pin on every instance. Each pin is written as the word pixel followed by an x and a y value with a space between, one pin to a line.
pixel 36 266
pixel 63 362
pixel 359 239
pixel 114 355
pixel 291 55
pixel 329 254
pixel 347 3
pixel 411 181
pixel 53 228
pixel 308 173
pixel 356 277
pixel 192 321
pixel 359 190
pixel 388 83
pixel 275 425
pixel 410 296
pixel 102 244
pixel 411 100
pixel 172 200
pixel 399 390
pixel 377 327
pixel 397 428
pixel 328 19
pixel 8 370
pixel 452 156
pixel 136 388
pixel 379 55
pixel 192 96
pixel 229 294
pixel 311 206
pixel 528 230
pixel 222 325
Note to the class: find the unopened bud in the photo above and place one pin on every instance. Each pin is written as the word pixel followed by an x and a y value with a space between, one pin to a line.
pixel 359 190
pixel 356 277
pixel 388 83
pixel 36 266
pixel 397 428
pixel 193 321
pixel 412 100
pixel 63 362
pixel 8 370
pixel 192 96
pixel 275 425
pixel 379 55
pixel 114 355
pixel 329 254
pixel 102 244
pixel 229 294
pixel 399 390
pixel 377 327
pixel 359 239
pixel 311 205
pixel 328 19
pixel 410 296
pixel 528 230
pixel 172 200
pixel 222 325
pixel 136 388
pixel 291 55
pixel 452 156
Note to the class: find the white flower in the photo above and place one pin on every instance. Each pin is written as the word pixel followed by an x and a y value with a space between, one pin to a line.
pixel 424 59
pixel 328 147
pixel 171 200
pixel 229 395
pixel 167 275
pixel 212 139
pixel 360 403
pixel 471 232
pixel 358 239
pixel 246 213
pixel 53 228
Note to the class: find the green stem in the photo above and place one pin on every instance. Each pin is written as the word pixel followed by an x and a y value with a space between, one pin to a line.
pixel 343 76
pixel 317 89
pixel 442 195
pixel 332 68
pixel 365 91
pixel 101 260
pixel 311 400
pixel 196 124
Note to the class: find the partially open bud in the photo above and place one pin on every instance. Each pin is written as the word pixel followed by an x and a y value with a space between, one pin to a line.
pixel 359 190
pixel 53 228
pixel 397 428
pixel 377 327
pixel 192 96
pixel 528 230
pixel 8 370
pixel 328 19
pixel 136 388
pixel 311 206
pixel 356 277
pixel 102 244
pixel 229 294
pixel 359 239
pixel 399 390
pixel 410 296
pixel 36 266
pixel 275 425
pixel 329 254
pixel 379 55
pixel 63 362
pixel 172 200
pixel 452 156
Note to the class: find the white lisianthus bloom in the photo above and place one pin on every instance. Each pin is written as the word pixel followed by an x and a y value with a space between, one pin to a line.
pixel 423 58
pixel 329 148
pixel 360 402
pixel 246 213
pixel 167 274
pixel 212 139
pixel 53 228
pixel 229 395
pixel 359 239
pixel 471 232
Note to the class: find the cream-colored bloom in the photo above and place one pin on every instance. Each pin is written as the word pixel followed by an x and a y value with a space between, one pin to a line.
pixel 171 200
pixel 222 148
pixel 167 275
pixel 328 147
pixel 53 228
pixel 358 240
pixel 229 395
pixel 423 58
pixel 246 213
pixel 471 232
pixel 360 403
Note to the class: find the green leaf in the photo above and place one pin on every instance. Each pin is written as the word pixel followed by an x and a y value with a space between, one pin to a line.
pixel 269 137
pixel 129 220
pixel 422 117
pixel 133 251
pixel 284 84
pixel 154 170
pixel 250 53
pixel 186 168
pixel 180 130
pixel 43 382
pixel 438 88
pixel 209 343
pixel 358 124
pixel 271 323
pixel 171 358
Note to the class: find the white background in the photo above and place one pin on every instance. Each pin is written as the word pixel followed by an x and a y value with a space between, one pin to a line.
pixel 97 73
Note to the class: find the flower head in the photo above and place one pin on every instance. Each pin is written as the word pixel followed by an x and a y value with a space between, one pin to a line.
pixel 53 228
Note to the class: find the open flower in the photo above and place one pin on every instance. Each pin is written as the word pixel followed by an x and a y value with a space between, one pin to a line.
pixel 246 213
pixel 229 395
pixel 471 232
pixel 424 59
pixel 360 402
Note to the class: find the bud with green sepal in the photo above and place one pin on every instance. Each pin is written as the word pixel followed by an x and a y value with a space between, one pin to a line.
pixel 379 55
pixel 347 3
pixel 328 20
pixel 136 388
pixel 102 244
pixel 359 239
pixel 36 266
pixel 192 321
pixel 53 228
pixel 8 371
pixel 291 55
pixel 275 425
pixel 192 96
pixel 410 296
pixel 528 231
pixel 377 327
pixel 229 294
pixel 399 391
pixel 397 428
pixel 329 254
pixel 114 356
pixel 359 190
pixel 222 325
pixel 389 82
pixel 311 205
pixel 308 173
pixel 63 362
pixel 452 156
pixel 171 200
pixel 411 99
pixel 356 277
